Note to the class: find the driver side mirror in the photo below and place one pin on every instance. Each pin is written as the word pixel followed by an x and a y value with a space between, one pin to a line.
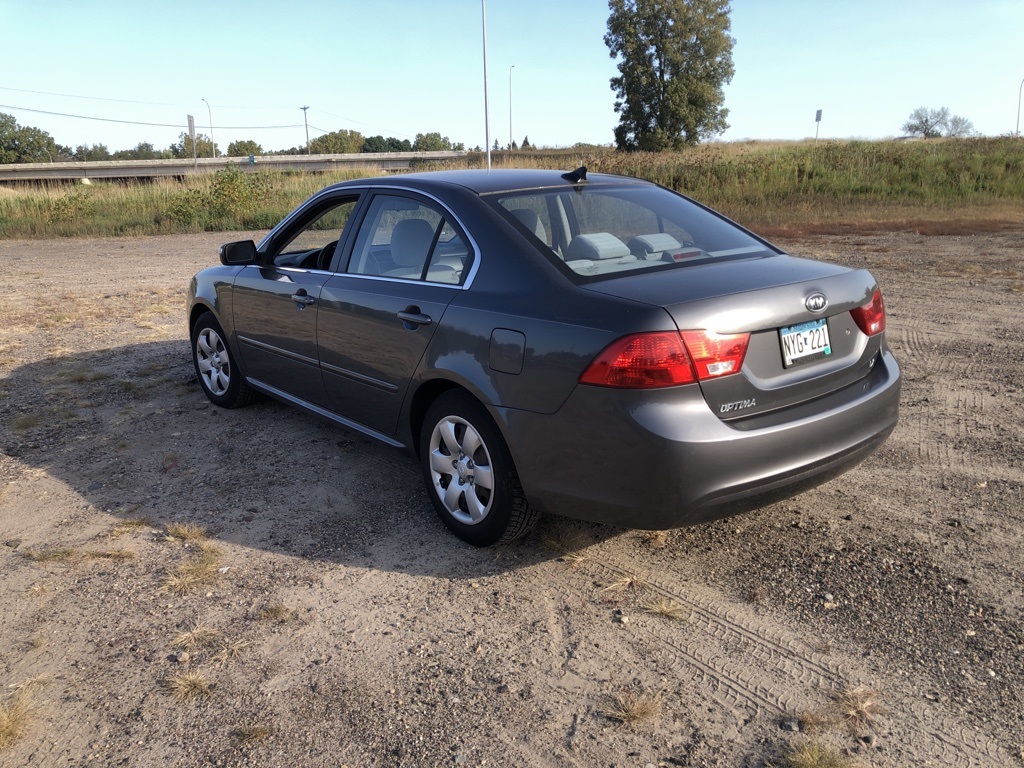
pixel 238 253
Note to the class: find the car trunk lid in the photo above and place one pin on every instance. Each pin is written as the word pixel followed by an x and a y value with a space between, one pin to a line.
pixel 803 343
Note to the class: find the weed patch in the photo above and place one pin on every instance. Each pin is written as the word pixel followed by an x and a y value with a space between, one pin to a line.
pixel 632 708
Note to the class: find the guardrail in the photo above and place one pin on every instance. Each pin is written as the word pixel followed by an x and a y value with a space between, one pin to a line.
pixel 144 169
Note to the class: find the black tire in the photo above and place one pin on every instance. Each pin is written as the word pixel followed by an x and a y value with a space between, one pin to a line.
pixel 476 491
pixel 220 378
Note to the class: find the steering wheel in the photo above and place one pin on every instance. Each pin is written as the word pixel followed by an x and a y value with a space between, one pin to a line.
pixel 323 259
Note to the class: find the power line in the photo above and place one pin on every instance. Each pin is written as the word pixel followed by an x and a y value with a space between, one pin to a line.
pixel 157 125
pixel 91 98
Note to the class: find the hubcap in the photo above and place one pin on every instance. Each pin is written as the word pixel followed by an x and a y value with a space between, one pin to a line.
pixel 460 467
pixel 213 362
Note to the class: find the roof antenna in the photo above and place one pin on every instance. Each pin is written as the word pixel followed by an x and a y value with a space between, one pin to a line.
pixel 580 174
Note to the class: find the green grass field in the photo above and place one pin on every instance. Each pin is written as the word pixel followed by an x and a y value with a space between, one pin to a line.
pixel 936 187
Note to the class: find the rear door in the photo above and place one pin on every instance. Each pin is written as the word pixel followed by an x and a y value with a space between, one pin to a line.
pixel 409 259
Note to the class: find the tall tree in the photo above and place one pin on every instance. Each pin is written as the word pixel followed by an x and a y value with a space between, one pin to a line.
pixel 142 151
pixel 243 148
pixel 675 57
pixel 92 152
pixel 204 146
pixel 927 123
pixel 960 128
pixel 341 142
pixel 26 144
pixel 431 142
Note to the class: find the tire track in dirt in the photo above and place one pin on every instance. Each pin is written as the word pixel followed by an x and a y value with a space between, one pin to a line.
pixel 791 675
pixel 793 657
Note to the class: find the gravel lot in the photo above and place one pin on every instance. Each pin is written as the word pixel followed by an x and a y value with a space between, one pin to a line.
pixel 327 618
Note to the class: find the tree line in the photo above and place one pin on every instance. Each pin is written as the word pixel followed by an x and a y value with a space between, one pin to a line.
pixel 28 144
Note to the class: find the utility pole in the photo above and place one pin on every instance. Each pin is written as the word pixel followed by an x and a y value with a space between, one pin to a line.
pixel 306 121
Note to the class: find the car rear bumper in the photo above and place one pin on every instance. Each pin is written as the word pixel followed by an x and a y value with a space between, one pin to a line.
pixel 661 459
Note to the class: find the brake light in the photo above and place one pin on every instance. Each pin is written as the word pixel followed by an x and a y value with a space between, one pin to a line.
pixel 641 361
pixel 716 354
pixel 666 359
pixel 870 318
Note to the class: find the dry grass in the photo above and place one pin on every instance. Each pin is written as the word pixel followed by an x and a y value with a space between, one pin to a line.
pixel 30 683
pixel 810 754
pixel 860 708
pixel 83 376
pixel 26 421
pixel 816 722
pixel 38 589
pixel 14 719
pixel 48 554
pixel 200 571
pixel 631 708
pixel 115 555
pixel 186 532
pixel 276 612
pixel 230 651
pixel 250 734
pixel 633 584
pixel 194 638
pixel 655 539
pixel 663 606
pixel 188 685
pixel 130 526
pixel 566 542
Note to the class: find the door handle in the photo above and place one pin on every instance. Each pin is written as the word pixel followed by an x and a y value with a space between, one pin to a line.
pixel 302 298
pixel 414 319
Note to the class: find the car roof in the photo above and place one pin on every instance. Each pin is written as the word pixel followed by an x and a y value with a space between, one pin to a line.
pixel 483 182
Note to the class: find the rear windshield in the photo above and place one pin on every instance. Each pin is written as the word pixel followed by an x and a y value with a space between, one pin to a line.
pixel 607 231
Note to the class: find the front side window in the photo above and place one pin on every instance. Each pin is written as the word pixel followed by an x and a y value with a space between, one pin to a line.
pixel 405 238
pixel 313 246
pixel 604 230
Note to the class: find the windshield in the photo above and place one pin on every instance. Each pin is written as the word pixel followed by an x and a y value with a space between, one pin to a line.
pixel 606 231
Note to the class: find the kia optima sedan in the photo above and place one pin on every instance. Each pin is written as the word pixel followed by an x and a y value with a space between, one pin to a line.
pixel 596 346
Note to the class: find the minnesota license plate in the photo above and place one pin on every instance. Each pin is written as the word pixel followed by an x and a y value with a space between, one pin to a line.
pixel 804 342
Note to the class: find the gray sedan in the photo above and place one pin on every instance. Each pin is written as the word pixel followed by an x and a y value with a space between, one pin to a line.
pixel 597 347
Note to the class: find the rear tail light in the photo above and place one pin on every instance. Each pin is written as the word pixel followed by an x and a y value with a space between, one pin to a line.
pixel 870 318
pixel 666 359
pixel 716 354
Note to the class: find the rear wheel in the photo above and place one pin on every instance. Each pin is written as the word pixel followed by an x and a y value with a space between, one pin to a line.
pixel 469 473
pixel 218 375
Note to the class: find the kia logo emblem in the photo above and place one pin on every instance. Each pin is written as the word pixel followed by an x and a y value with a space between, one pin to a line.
pixel 816 302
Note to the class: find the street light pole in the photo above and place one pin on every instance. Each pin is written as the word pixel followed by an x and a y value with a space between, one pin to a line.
pixel 510 105
pixel 487 116
pixel 1019 92
pixel 213 150
pixel 306 121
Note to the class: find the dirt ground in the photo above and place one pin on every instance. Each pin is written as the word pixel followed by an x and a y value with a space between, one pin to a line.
pixel 327 618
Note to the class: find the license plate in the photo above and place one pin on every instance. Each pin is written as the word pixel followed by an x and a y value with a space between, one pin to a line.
pixel 805 342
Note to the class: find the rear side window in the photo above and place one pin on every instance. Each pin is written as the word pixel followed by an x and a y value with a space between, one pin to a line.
pixel 407 239
pixel 607 231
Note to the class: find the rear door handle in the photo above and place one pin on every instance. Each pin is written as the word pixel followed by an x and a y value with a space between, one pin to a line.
pixel 302 298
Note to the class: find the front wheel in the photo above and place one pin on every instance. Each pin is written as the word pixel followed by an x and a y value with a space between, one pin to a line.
pixel 218 375
pixel 469 473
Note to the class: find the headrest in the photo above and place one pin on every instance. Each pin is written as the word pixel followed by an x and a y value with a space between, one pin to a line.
pixel 598 246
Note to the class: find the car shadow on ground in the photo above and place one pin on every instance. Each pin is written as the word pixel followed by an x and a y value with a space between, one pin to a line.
pixel 129 431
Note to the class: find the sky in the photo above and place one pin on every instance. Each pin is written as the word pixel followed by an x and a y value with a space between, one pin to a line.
pixel 402 67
